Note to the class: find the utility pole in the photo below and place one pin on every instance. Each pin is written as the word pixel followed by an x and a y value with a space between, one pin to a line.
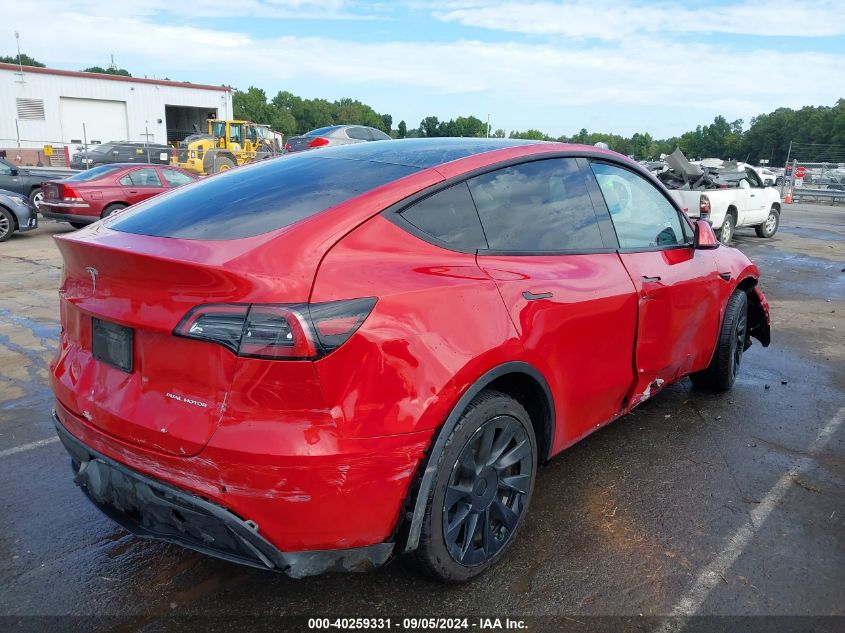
pixel 18 41
pixel 785 165
pixel 488 125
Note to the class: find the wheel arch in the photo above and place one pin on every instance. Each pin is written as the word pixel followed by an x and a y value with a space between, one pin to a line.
pixel 758 320
pixel 518 379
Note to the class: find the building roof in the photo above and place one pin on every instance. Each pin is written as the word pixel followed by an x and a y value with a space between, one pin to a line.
pixel 137 80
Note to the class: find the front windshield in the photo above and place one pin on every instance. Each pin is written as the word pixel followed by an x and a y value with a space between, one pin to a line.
pixel 218 129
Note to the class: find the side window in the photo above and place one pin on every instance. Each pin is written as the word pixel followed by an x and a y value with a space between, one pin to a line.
pixel 753 178
pixel 378 135
pixel 537 206
pixel 450 217
pixel 5 170
pixel 358 133
pixel 235 133
pixel 146 177
pixel 641 215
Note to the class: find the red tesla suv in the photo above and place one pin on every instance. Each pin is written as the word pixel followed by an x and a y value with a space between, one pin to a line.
pixel 90 195
pixel 329 359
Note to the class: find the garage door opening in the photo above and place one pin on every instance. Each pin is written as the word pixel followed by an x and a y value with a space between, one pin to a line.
pixel 182 121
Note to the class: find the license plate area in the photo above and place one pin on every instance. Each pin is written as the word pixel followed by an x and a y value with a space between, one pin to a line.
pixel 112 344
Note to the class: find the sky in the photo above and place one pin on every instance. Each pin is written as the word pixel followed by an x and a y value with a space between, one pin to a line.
pixel 620 66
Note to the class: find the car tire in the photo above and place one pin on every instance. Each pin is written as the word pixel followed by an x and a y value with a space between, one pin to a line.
pixel 484 481
pixel 117 206
pixel 36 196
pixel 721 374
pixel 7 224
pixel 770 226
pixel 726 231
pixel 78 225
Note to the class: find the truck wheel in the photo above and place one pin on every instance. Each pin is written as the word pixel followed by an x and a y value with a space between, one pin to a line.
pixel 770 226
pixel 36 196
pixel 7 224
pixel 222 164
pixel 726 232
pixel 481 492
pixel 723 369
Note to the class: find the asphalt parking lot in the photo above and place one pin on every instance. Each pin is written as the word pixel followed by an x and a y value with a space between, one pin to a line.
pixel 695 504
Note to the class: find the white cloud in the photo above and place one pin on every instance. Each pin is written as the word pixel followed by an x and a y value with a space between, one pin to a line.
pixel 616 19
pixel 513 79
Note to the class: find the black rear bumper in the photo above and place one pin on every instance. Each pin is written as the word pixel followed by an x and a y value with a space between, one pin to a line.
pixel 152 509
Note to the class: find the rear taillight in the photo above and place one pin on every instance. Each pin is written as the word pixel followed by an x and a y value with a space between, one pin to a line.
pixel 704 207
pixel 288 147
pixel 69 194
pixel 276 331
pixel 318 142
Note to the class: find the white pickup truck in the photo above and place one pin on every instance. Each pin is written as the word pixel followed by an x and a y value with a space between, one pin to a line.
pixel 744 201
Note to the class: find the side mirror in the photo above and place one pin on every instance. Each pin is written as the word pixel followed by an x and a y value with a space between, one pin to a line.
pixel 704 237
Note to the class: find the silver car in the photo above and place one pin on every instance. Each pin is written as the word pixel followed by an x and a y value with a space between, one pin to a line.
pixel 17 213
pixel 334 135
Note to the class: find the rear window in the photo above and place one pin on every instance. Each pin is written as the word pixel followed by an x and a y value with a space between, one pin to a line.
pixel 322 130
pixel 94 173
pixel 252 200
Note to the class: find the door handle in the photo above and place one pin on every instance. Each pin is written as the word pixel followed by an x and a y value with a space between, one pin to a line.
pixel 132 191
pixel 650 279
pixel 530 296
pixel 753 195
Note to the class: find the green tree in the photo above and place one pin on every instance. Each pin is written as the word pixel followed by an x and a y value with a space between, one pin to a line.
pixel 107 71
pixel 403 129
pixel 25 60
pixel 430 126
pixel 531 135
pixel 387 121
pixel 251 105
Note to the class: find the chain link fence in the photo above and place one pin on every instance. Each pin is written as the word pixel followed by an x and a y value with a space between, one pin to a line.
pixel 815 173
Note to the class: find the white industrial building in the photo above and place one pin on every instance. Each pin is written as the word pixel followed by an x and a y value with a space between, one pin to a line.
pixel 46 106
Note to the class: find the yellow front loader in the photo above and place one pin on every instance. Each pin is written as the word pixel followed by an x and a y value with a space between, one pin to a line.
pixel 228 144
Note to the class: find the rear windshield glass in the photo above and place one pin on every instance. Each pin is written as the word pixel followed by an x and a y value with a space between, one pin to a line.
pixel 252 200
pixel 322 130
pixel 94 173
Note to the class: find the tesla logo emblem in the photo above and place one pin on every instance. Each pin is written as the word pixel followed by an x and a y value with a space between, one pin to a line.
pixel 93 272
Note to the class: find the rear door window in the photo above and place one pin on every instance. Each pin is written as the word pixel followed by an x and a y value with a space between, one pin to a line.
pixel 259 198
pixel 449 216
pixel 541 206
pixel 641 214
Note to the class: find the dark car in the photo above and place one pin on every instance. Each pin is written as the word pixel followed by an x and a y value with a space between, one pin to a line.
pixel 333 135
pixel 322 361
pixel 121 152
pixel 90 195
pixel 27 180
pixel 17 213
